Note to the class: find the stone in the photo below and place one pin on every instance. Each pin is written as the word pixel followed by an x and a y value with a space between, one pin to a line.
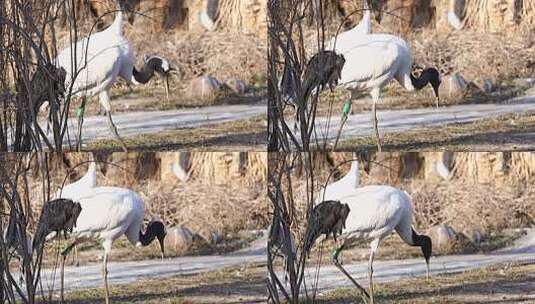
pixel 203 87
pixel 443 237
pixel 453 85
pixel 485 85
pixel 211 237
pixel 178 239
pixel 524 82
pixel 236 85
pixel 474 234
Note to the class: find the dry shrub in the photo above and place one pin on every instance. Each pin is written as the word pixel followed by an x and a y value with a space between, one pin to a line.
pixel 243 16
pixel 465 205
pixel 522 165
pixel 224 167
pixel 222 55
pixel 497 15
pixel 476 55
pixel 202 207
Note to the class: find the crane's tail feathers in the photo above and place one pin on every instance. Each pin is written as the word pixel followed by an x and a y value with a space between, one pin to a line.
pixel 328 217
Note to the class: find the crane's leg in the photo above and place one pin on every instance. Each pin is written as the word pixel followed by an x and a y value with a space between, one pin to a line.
pixel 374 245
pixel 76 261
pixel 375 96
pixel 80 114
pixel 105 274
pixel 64 254
pixel 107 249
pixel 105 102
pixel 62 286
pixel 345 113
pixel 336 253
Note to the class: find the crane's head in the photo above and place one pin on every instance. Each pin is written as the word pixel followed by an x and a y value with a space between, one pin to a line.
pixel 129 8
pixel 162 67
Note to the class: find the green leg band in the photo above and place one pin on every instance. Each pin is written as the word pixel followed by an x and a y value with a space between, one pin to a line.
pixel 68 249
pixel 347 108
pixel 81 110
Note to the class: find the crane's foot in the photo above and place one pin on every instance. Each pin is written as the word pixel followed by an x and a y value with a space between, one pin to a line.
pixel 113 130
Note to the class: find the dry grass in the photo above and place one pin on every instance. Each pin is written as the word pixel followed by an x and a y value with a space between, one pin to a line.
pixel 509 132
pixel 506 283
pixel 233 285
pixel 241 135
pixel 476 55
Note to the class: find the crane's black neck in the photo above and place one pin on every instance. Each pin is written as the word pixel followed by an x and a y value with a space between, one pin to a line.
pixel 429 75
pixel 154 230
pixel 424 242
pixel 146 73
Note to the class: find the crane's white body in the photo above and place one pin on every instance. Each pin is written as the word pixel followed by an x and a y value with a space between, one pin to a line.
pixel 376 211
pixel 80 187
pixel 100 59
pixel 373 60
pixel 108 213
pixel 342 187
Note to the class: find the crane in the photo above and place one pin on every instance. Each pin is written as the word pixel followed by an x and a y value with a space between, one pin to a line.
pixel 109 213
pixel 372 61
pixel 372 213
pixel 94 63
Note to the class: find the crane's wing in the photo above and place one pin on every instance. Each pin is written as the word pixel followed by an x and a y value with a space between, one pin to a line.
pixel 108 209
pixel 371 61
pixel 96 65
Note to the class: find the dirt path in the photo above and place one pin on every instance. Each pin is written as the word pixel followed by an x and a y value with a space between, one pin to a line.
pixel 388 271
pixel 359 125
pixel 129 272
pixel 151 122
pixel 384 271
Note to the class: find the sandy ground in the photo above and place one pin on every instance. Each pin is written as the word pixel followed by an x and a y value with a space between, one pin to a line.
pixel 392 121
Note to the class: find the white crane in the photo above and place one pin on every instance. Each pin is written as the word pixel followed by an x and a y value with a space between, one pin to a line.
pixel 372 61
pixel 107 214
pixel 94 63
pixel 374 213
pixel 344 186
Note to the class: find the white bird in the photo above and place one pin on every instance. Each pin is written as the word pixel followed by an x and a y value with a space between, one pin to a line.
pixel 373 213
pixel 363 28
pixel 343 186
pixel 94 63
pixel 80 187
pixel 109 213
pixel 372 61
